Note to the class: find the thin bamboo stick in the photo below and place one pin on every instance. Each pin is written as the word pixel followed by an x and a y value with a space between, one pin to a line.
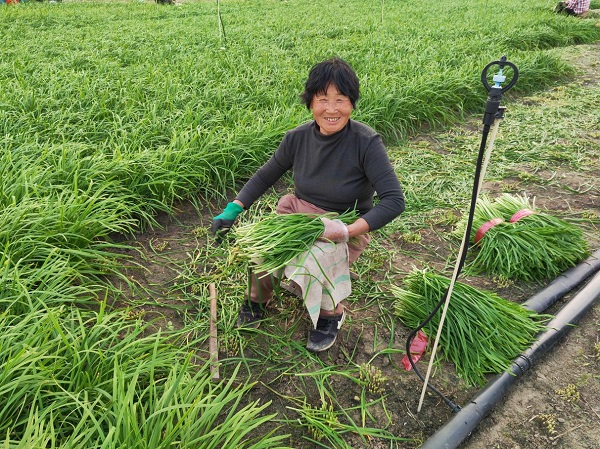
pixel 213 345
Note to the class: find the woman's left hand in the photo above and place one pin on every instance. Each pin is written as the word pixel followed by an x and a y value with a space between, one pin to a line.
pixel 335 231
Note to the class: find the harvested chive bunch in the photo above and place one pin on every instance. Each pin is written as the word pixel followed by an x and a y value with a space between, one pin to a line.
pixel 513 240
pixel 482 333
pixel 275 240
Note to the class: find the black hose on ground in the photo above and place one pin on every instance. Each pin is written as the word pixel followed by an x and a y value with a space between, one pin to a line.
pixel 563 284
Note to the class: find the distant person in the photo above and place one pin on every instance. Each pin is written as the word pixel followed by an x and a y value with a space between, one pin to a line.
pixel 573 7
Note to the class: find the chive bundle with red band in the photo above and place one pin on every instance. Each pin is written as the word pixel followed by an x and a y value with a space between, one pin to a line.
pixel 521 242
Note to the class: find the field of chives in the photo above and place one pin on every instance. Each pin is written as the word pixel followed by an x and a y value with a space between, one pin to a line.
pixel 114 113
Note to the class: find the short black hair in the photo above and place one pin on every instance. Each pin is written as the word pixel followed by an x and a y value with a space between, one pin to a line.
pixel 331 71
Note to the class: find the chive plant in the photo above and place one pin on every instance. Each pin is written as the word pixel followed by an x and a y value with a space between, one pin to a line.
pixel 92 108
pixel 273 241
pixel 127 108
pixel 482 333
pixel 514 240
pixel 83 379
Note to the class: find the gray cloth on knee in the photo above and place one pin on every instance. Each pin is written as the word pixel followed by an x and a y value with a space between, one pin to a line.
pixel 323 275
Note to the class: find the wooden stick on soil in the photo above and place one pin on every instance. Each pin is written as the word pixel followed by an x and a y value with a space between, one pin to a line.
pixel 213 345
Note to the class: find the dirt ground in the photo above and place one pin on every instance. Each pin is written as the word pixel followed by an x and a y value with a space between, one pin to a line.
pixel 556 403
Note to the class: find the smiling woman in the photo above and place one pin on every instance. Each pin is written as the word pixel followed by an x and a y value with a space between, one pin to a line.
pixel 331 93
pixel 338 165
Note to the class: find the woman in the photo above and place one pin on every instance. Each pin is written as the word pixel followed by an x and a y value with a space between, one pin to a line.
pixel 338 164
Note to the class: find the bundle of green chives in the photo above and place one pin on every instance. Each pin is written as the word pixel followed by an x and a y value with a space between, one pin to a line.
pixel 482 333
pixel 272 242
pixel 515 241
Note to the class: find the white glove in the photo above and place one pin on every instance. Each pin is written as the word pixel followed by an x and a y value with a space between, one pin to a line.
pixel 335 231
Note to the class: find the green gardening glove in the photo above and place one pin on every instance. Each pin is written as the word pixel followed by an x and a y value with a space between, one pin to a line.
pixel 225 220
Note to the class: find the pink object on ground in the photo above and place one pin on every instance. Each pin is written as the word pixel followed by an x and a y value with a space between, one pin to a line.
pixel 417 348
pixel 486 227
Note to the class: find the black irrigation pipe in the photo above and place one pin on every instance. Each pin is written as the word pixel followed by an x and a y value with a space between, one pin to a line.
pixel 456 430
pixel 563 284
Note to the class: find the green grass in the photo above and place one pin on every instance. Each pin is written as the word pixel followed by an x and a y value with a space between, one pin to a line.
pixel 81 379
pixel 546 133
pixel 138 106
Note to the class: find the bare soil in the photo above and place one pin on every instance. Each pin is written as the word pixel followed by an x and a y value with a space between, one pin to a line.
pixel 555 404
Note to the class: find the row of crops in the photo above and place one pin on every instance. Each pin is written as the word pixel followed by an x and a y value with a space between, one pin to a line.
pixel 110 113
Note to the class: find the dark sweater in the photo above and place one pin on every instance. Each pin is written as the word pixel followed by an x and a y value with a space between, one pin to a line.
pixel 334 172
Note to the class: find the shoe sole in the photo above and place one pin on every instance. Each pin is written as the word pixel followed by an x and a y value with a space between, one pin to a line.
pixel 250 324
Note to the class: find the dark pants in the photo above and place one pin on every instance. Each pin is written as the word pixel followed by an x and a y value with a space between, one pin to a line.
pixel 562 8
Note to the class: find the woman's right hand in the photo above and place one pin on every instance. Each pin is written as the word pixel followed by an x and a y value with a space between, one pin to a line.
pixel 223 222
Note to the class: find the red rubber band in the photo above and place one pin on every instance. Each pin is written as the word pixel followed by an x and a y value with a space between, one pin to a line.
pixel 521 214
pixel 486 227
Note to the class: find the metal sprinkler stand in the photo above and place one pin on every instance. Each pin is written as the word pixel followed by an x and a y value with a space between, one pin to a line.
pixel 493 111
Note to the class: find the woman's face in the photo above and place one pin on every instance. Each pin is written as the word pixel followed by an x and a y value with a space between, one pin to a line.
pixel 331 110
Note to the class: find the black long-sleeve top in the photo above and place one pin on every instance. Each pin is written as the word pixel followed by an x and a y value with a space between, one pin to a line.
pixel 334 172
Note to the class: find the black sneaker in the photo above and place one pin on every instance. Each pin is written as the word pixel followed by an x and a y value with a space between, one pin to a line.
pixel 250 314
pixel 324 336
